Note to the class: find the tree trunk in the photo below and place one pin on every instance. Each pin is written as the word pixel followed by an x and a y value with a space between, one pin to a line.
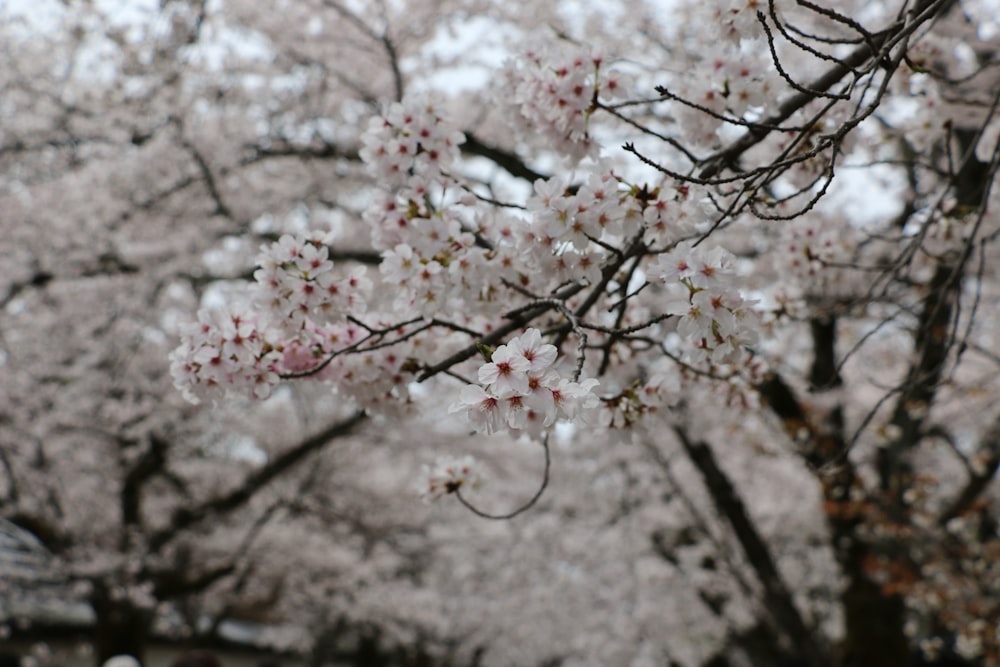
pixel 874 627
pixel 119 627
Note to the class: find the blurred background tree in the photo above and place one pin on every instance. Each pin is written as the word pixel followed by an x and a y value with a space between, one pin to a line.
pixel 836 508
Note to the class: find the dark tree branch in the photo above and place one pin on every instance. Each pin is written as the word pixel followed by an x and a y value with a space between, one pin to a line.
pixel 38 279
pixel 865 53
pixel 48 532
pixel 174 584
pixel 933 336
pixel 323 151
pixel 221 208
pixel 932 341
pixel 824 374
pixel 148 465
pixel 188 517
pixel 982 473
pixel 524 507
pixel 874 619
pixel 505 159
pixel 524 315
pixel 383 39
pixel 777 597
pixel 13 492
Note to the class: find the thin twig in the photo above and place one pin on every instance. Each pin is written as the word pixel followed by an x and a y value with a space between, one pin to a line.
pixel 526 506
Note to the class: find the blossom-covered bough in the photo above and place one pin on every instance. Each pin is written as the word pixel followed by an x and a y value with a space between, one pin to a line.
pixel 462 274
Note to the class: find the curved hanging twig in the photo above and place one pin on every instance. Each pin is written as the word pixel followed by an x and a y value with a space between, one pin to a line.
pixel 528 505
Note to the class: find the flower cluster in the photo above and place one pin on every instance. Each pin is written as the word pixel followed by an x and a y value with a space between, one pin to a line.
pixel 554 94
pixel 660 388
pixel 407 140
pixel 298 319
pixel 224 351
pixel 376 380
pixel 713 315
pixel 605 209
pixel 735 19
pixel 670 212
pixel 428 256
pixel 522 391
pixel 296 281
pixel 808 246
pixel 427 279
pixel 448 475
pixel 746 84
pixel 596 209
pixel 735 78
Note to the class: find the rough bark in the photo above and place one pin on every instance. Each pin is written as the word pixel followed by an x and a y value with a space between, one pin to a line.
pixel 119 627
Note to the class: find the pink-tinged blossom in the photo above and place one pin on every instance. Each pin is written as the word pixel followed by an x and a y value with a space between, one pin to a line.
pixel 585 265
pixel 538 355
pixel 515 411
pixel 304 356
pixel 449 475
pixel 547 191
pixel 711 267
pixel 411 139
pixel 575 399
pixel 469 272
pixel 557 218
pixel 675 213
pixel 286 249
pixel 312 260
pixel 523 391
pixel 297 282
pixel 507 372
pixel 672 266
pixel 597 211
pixel 399 264
pixel 713 316
pixel 604 210
pixel 483 410
pixel 552 93
pixel 224 352
pixel 541 398
pixel 809 250
pixel 662 387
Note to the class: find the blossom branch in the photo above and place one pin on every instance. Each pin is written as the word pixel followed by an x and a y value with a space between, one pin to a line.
pixel 868 53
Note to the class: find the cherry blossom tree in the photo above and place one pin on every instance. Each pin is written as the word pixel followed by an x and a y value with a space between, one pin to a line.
pixel 154 513
pixel 724 261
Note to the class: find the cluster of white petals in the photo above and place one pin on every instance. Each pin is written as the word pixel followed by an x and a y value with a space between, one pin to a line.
pixel 809 247
pixel 299 317
pixel 409 139
pixel 296 282
pixel 429 259
pixel 224 351
pixel 670 213
pixel 454 258
pixel 713 315
pixel 660 389
pixel 595 210
pixel 448 475
pixel 521 391
pixel 554 92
